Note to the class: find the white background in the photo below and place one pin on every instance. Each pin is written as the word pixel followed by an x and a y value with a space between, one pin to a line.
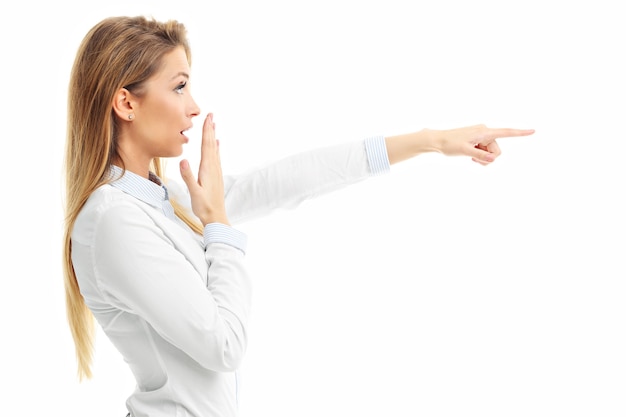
pixel 441 289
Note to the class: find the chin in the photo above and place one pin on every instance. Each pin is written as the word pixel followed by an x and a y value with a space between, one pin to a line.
pixel 173 153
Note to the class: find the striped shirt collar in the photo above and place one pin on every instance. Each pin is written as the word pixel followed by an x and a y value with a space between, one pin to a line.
pixel 150 191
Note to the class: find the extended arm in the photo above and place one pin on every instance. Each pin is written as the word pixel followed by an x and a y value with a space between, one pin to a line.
pixel 289 181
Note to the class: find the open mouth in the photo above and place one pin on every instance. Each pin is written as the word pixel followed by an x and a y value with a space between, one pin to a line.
pixel 182 132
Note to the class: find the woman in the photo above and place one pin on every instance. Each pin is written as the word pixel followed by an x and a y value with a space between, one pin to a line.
pixel 158 265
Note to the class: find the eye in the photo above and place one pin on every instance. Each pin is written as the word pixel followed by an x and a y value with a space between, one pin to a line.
pixel 179 87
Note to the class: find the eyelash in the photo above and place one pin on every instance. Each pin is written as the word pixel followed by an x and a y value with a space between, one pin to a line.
pixel 179 88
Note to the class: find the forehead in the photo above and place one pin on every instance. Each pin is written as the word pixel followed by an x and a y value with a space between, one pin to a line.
pixel 173 65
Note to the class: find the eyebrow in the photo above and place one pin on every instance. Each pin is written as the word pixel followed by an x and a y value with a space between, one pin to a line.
pixel 184 74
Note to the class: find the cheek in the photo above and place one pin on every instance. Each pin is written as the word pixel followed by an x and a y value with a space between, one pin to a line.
pixel 161 115
pixel 171 111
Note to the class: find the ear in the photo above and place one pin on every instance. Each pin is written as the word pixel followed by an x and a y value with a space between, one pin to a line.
pixel 123 103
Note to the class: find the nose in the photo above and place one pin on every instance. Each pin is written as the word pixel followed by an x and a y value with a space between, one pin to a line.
pixel 193 110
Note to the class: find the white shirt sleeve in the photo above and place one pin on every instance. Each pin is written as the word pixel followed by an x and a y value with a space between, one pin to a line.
pixel 289 181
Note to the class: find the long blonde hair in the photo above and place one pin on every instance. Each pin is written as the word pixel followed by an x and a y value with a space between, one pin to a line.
pixel 117 52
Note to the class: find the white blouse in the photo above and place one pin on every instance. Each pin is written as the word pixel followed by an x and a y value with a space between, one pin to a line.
pixel 175 304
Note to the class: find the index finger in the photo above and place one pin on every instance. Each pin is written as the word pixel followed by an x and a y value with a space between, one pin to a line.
pixel 208 136
pixel 507 132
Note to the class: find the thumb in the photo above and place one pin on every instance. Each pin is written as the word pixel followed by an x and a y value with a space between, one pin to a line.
pixel 481 155
pixel 186 174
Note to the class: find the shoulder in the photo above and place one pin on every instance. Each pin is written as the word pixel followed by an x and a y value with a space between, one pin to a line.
pixel 104 199
pixel 106 205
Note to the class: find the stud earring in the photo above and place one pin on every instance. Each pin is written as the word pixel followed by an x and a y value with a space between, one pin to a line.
pixel 130 116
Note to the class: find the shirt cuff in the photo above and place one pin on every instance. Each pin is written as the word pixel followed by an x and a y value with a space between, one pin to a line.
pixel 221 233
pixel 377 157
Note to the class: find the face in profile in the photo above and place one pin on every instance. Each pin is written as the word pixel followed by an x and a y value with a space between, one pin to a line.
pixel 164 111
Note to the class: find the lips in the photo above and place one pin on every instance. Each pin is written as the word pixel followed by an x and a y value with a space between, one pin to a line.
pixel 182 132
pixel 185 138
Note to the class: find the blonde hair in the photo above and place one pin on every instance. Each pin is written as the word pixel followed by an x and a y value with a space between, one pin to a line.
pixel 117 52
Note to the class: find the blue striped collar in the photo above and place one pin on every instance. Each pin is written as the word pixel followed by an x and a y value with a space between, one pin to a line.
pixel 151 192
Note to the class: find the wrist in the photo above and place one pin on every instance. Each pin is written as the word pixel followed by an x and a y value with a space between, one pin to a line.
pixel 429 140
pixel 214 217
pixel 402 147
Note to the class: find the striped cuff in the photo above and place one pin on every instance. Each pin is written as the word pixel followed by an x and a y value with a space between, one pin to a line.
pixel 377 155
pixel 221 233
